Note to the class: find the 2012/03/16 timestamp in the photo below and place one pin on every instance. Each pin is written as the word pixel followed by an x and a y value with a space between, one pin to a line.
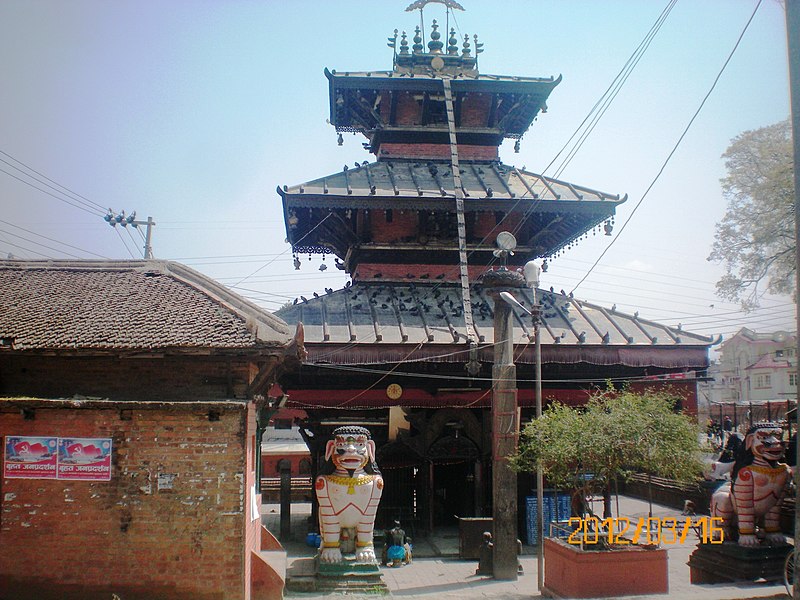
pixel 644 530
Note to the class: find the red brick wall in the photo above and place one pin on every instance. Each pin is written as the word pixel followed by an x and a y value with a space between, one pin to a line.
pixel 168 378
pixel 85 540
pixel 398 272
pixel 405 224
pixel 486 225
pixel 438 151
pixel 475 110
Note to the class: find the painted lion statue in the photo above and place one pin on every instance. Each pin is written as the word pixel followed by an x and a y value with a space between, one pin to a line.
pixel 758 483
pixel 348 495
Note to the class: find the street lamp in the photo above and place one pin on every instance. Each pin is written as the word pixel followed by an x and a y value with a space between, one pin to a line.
pixel 531 271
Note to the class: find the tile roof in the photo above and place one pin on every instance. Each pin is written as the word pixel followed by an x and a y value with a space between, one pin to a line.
pixel 134 305
pixel 388 314
pixel 770 361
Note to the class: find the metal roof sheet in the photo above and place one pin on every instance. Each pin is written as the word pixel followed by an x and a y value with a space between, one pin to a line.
pixel 428 179
pixel 409 314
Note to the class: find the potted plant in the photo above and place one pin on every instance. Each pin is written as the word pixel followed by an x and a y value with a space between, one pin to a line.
pixel 587 450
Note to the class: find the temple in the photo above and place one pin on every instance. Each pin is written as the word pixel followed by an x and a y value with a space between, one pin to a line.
pixel 406 347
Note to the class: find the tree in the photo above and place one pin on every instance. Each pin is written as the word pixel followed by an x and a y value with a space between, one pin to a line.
pixel 617 433
pixel 755 240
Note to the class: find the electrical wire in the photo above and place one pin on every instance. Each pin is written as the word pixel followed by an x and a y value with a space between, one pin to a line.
pixel 285 251
pixel 605 101
pixel 78 197
pixel 52 240
pixel 28 183
pixel 122 239
pixel 27 249
pixel 675 147
pixel 133 240
pixel 16 235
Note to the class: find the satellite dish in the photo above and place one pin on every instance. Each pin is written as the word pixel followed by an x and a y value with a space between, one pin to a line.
pixel 506 241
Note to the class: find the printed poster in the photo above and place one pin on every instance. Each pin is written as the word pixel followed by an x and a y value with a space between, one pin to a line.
pixel 30 457
pixel 87 459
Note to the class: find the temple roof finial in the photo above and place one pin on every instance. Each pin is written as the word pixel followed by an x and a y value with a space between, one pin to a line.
pixel 435 45
pixel 452 43
pixel 465 51
pixel 417 47
pixel 403 44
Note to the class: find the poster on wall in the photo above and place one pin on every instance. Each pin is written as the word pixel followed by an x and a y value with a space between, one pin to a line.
pixel 30 457
pixel 87 459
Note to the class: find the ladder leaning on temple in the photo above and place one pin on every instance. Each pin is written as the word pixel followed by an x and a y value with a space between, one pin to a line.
pixel 462 229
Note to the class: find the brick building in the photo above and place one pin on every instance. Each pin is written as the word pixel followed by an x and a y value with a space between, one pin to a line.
pixel 129 397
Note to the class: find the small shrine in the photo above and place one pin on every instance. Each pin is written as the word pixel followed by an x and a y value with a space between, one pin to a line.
pixel 405 348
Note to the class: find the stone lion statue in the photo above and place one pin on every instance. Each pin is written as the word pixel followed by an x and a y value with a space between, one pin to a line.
pixel 758 484
pixel 348 496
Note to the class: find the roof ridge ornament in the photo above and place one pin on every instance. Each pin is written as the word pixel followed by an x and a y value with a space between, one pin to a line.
pixel 420 4
pixel 435 45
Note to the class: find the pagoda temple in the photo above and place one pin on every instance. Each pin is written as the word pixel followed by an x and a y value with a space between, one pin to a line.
pixel 406 347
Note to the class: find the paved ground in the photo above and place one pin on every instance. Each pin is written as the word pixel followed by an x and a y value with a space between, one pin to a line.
pixel 438 573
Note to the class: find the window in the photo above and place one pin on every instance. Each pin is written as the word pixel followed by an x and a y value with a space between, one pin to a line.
pixel 282 423
pixel 793 379
pixel 763 381
pixel 789 352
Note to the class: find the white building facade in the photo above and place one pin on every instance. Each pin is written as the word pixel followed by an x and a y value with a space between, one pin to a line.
pixel 755 371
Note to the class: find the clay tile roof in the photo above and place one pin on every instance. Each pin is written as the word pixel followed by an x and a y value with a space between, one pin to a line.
pixel 134 305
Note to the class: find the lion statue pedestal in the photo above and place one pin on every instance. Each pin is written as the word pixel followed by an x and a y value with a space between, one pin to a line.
pixel 348 492
pixel 748 509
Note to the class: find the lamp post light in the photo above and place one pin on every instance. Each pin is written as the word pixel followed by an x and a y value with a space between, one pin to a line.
pixel 532 272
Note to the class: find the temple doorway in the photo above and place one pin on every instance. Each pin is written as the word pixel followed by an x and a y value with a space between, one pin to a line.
pixel 453 492
pixel 454 459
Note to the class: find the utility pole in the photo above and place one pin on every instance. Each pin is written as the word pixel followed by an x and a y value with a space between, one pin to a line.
pixel 505 424
pixel 120 219
pixel 793 46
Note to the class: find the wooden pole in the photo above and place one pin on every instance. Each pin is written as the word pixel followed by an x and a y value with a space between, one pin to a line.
pixel 504 443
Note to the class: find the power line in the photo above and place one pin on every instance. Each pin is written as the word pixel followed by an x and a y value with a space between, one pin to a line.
pixel 611 93
pixel 28 183
pixel 675 147
pixel 37 243
pixel 77 196
pixel 122 239
pixel 52 240
pixel 26 249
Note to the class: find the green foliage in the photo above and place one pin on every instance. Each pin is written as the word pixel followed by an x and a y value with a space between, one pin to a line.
pixel 616 434
pixel 755 240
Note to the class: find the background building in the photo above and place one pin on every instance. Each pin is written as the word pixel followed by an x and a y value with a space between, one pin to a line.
pixel 754 377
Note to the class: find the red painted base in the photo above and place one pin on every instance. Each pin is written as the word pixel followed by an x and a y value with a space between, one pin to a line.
pixel 570 572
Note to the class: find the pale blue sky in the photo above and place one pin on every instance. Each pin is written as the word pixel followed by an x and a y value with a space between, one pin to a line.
pixel 193 112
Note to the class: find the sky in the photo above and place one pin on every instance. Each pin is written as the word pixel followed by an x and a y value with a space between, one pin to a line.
pixel 192 112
